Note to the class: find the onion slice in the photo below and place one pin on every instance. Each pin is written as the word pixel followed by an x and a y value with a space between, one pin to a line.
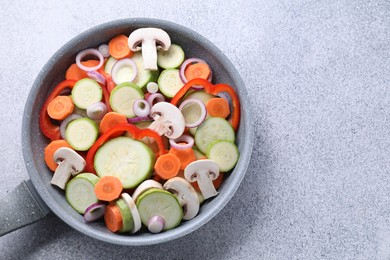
pixel 189 62
pixel 224 96
pixel 94 212
pixel 97 77
pixel 96 111
pixel 152 87
pixel 182 143
pixel 156 224
pixel 141 108
pixel 118 65
pixel 203 112
pixel 155 96
pixel 65 123
pixel 85 53
pixel 139 119
pixel 104 50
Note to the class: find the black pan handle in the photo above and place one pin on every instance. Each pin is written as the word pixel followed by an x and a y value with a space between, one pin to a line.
pixel 21 207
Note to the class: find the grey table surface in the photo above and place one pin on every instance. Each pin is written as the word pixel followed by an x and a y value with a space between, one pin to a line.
pixel 319 76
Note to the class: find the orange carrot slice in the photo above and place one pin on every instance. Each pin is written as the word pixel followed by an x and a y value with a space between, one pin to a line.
pixel 118 47
pixel 113 218
pixel 110 120
pixel 186 156
pixel 197 70
pixel 60 107
pixel 75 73
pixel 50 149
pixel 218 107
pixel 167 166
pixel 108 188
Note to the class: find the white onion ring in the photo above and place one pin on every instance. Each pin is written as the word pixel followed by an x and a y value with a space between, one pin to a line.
pixel 97 110
pixel 156 224
pixel 224 96
pixel 119 64
pixel 138 110
pixel 152 87
pixel 184 66
pixel 94 212
pixel 65 123
pixel 155 96
pixel 202 108
pixel 86 52
pixel 176 143
pixel 104 50
pixel 97 77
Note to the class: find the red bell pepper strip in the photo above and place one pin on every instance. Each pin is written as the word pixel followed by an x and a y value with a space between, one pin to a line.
pixel 213 90
pixel 50 130
pixel 135 132
pixel 110 84
pixel 105 88
pixel 106 96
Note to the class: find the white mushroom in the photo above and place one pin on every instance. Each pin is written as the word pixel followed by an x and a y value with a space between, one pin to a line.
pixel 168 120
pixel 149 40
pixel 144 186
pixel 69 163
pixel 203 172
pixel 186 194
pixel 200 197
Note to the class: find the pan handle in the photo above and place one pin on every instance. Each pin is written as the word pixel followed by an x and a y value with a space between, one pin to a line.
pixel 21 207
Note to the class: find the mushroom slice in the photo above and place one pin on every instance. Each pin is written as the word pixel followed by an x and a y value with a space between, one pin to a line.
pixel 186 194
pixel 69 163
pixel 150 40
pixel 168 120
pixel 144 186
pixel 200 197
pixel 203 172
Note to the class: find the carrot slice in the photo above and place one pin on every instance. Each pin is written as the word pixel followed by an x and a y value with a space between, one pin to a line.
pixel 60 107
pixel 118 47
pixel 108 188
pixel 50 149
pixel 218 107
pixel 167 166
pixel 186 156
pixel 113 218
pixel 75 73
pixel 110 120
pixel 197 70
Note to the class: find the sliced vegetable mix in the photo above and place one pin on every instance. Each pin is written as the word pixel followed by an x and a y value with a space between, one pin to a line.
pixel 139 135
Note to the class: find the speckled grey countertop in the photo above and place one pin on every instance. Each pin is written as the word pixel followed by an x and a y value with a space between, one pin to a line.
pixel 318 184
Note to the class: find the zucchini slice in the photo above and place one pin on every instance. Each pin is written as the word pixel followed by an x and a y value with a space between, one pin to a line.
pixel 129 160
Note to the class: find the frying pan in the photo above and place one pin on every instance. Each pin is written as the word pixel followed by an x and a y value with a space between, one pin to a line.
pixel 33 199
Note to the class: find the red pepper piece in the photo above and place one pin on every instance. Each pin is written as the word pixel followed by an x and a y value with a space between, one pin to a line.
pixel 106 96
pixel 50 130
pixel 213 90
pixel 107 88
pixel 136 134
pixel 235 118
